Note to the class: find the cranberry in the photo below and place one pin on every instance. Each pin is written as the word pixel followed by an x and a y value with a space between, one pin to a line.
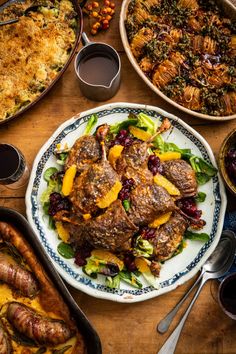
pixel 231 168
pixel 114 142
pixel 55 198
pixel 197 214
pixel 128 184
pixel 129 262
pixel 82 254
pixel 128 141
pixel 57 203
pixel 122 134
pixel 123 138
pixel 189 207
pixel 124 194
pixel 110 269
pixel 231 155
pixel 154 164
pixel 230 163
pixel 147 232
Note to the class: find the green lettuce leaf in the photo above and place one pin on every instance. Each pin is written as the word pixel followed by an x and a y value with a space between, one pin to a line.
pixel 200 198
pixel 196 236
pixel 113 282
pixel 91 123
pixel 131 279
pixel 143 248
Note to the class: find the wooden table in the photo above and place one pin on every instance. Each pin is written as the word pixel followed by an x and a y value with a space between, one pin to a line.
pixel 126 328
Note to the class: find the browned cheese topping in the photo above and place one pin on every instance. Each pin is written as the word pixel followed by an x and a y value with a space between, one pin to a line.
pixel 33 51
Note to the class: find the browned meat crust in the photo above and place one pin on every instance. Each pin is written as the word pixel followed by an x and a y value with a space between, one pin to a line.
pixel 110 230
pixel 169 236
pixel 147 201
pixel 85 151
pixel 141 175
pixel 181 174
pixel 93 184
pixel 133 156
pixel 133 163
pixel 76 231
pixel 41 329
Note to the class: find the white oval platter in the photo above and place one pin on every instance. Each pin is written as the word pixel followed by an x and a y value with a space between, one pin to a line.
pixel 175 271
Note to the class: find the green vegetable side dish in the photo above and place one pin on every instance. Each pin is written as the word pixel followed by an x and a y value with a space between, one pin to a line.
pixel 140 260
pixel 186 49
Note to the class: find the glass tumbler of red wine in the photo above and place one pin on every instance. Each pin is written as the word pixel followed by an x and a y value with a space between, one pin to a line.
pixel 227 295
pixel 14 172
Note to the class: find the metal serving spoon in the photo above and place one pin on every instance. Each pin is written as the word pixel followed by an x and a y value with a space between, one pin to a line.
pixel 164 324
pixel 32 8
pixel 218 264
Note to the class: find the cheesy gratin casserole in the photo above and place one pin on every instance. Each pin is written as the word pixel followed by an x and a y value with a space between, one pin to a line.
pixel 33 50
pixel 187 49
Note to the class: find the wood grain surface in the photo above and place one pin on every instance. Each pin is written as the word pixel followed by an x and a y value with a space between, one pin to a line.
pixel 123 328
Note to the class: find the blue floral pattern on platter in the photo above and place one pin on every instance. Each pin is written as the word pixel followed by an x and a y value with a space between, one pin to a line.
pixel 61 263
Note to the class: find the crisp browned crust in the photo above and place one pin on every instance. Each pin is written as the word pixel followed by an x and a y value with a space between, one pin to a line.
pixel 33 51
pixel 169 236
pixel 181 174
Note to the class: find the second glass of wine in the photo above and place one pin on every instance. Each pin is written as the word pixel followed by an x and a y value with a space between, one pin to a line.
pixel 14 172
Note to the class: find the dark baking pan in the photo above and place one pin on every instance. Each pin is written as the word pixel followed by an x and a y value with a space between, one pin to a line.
pixel 78 5
pixel 91 338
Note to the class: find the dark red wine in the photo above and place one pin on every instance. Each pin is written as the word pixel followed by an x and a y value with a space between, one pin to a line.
pixel 228 294
pixel 12 164
pixel 98 69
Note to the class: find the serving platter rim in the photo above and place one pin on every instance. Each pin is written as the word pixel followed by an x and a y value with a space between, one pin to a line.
pixel 82 282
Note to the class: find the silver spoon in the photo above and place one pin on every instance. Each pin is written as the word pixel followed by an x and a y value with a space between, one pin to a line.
pixel 218 264
pixel 32 8
pixel 9 22
pixel 164 324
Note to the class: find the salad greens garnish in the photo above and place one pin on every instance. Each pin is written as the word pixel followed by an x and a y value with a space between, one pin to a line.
pixel 65 250
pixel 150 279
pixel 200 198
pixel 91 123
pixel 143 248
pixel 61 154
pixel 196 236
pixel 204 170
pixel 113 282
pixel 180 248
pixel 140 120
pixel 115 128
pixel 62 158
pixel 53 186
pixel 96 266
pixel 49 172
pixel 185 153
pixel 114 268
pixel 126 204
pixel 130 278
pixel 146 123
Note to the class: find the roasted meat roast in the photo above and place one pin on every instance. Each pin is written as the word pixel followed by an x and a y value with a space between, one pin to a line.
pixel 99 218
